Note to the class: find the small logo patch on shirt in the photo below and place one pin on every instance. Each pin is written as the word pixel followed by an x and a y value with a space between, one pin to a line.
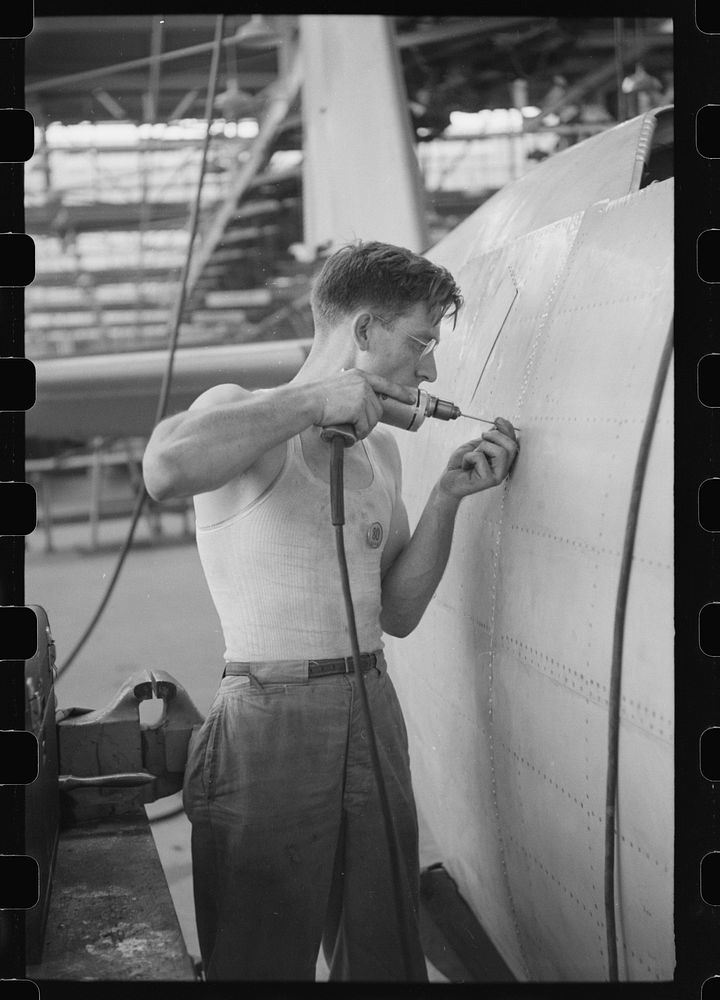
pixel 375 535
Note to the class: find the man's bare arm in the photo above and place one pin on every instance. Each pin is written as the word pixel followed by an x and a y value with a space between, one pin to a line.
pixel 228 429
pixel 411 581
pixel 416 570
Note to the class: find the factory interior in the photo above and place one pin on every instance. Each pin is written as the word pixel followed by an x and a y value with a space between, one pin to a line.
pixel 168 201
pixel 119 103
pixel 120 108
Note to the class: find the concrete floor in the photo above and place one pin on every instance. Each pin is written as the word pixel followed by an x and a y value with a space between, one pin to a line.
pixel 160 616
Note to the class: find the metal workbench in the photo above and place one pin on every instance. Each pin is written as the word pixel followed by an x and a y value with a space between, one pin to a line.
pixel 111 916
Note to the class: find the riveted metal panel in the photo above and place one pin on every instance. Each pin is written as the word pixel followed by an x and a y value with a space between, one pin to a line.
pixel 603 167
pixel 505 682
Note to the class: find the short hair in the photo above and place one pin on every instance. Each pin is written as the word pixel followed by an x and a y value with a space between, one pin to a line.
pixel 387 279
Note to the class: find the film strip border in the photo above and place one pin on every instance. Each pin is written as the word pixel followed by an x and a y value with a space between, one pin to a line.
pixel 19 872
pixel 697 479
pixel 697 502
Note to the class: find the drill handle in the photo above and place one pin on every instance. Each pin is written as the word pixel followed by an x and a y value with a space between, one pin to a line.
pixel 344 431
pixel 340 437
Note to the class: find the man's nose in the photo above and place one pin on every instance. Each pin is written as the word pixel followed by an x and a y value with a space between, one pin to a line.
pixel 427 369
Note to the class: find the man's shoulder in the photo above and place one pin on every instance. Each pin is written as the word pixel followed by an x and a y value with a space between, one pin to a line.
pixel 217 395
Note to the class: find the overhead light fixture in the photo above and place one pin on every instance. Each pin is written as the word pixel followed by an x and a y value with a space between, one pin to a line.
pixel 258 33
pixel 234 101
pixel 641 81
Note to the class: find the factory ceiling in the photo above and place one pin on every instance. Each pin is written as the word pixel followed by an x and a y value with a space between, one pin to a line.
pixel 112 233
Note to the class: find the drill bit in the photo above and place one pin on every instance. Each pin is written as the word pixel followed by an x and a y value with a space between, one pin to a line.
pixel 483 420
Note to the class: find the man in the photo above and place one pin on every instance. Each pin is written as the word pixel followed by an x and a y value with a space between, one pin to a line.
pixel 288 840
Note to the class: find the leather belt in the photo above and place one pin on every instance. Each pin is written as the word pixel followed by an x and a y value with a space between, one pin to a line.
pixel 318 668
pixel 344 665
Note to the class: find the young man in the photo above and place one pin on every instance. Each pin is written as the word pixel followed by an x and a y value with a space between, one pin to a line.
pixel 288 841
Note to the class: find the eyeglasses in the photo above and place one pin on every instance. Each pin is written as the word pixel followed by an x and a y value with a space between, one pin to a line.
pixel 428 346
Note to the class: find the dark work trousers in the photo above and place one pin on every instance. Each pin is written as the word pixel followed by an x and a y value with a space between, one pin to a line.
pixel 288 840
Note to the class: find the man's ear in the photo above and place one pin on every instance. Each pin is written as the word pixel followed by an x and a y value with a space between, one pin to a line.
pixel 360 328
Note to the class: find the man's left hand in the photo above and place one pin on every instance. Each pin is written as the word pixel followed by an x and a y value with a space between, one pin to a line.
pixel 482 463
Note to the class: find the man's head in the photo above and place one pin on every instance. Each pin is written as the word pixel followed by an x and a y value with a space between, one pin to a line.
pixel 390 301
pixel 385 279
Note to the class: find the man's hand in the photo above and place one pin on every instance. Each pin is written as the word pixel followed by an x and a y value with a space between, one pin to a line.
pixel 351 398
pixel 481 463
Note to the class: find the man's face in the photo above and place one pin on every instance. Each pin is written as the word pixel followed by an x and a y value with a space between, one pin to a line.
pixel 396 352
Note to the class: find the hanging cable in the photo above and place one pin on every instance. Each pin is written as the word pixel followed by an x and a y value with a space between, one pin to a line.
pixel 338 444
pixel 616 665
pixel 619 66
pixel 174 335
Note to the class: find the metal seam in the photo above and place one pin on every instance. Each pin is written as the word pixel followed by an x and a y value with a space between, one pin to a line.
pixel 491 630
pixel 647 130
pixel 523 389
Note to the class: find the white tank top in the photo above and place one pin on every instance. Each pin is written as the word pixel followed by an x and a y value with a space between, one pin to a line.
pixel 273 572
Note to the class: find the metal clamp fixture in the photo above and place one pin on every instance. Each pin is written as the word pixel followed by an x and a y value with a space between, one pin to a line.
pixel 140 762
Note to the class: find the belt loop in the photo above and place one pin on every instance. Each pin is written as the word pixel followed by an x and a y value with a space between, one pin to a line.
pixel 255 682
pixel 243 673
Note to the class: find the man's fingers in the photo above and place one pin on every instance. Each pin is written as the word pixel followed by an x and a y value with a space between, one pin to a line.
pixel 495 457
pixel 500 437
pixel 362 427
pixel 505 426
pixel 353 397
pixel 502 453
pixel 497 436
pixel 404 393
pixel 501 440
pixel 373 412
pixel 370 415
pixel 504 434
pixel 477 461
pixel 374 406
pixel 482 462
pixel 463 449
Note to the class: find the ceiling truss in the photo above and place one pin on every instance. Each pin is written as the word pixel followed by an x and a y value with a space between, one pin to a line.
pixel 153 70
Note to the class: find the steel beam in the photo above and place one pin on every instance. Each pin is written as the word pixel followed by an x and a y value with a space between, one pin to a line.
pixel 100 72
pixel 158 144
pixel 185 103
pixel 174 79
pixel 110 104
pixel 156 35
pixel 472 26
pixel 104 276
pixel 42 220
pixel 606 39
pixel 230 236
